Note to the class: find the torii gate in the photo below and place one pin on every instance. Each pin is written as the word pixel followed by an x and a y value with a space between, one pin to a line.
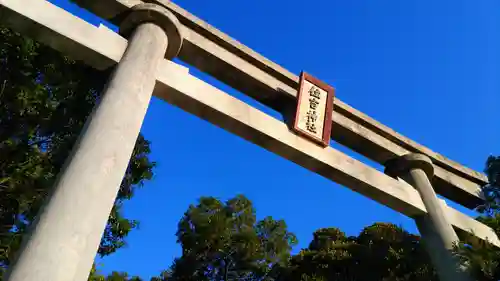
pixel 66 235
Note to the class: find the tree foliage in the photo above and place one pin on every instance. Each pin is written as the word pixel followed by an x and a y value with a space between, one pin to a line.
pixel 114 276
pixel 483 259
pixel 45 98
pixel 225 241
pixel 380 252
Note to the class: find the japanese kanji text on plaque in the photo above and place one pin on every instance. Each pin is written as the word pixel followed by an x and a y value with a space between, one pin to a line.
pixel 314 109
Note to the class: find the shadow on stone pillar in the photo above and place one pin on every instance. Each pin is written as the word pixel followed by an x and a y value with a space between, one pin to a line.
pixel 65 236
pixel 437 233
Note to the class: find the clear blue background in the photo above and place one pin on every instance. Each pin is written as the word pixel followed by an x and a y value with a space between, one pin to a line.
pixel 428 69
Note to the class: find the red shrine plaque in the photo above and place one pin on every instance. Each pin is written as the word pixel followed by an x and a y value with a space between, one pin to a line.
pixel 313 118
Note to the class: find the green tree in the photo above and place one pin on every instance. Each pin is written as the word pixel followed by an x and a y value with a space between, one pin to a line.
pixel 380 252
pixel 45 98
pixel 114 276
pixel 164 276
pixel 121 276
pixel 483 259
pixel 224 241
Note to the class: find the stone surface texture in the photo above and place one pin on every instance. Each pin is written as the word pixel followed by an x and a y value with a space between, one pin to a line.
pixel 152 13
pixel 437 232
pixel 66 235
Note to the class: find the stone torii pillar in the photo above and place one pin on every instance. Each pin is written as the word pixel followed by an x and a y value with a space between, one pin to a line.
pixel 67 232
pixel 437 233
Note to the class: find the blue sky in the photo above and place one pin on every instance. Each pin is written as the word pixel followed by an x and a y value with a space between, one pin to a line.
pixel 428 69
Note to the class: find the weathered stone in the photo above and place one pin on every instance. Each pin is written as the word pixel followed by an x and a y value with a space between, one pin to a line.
pixel 436 230
pixel 146 12
pixel 66 235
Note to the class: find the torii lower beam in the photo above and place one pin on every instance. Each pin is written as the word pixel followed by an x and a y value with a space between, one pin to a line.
pixel 195 96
